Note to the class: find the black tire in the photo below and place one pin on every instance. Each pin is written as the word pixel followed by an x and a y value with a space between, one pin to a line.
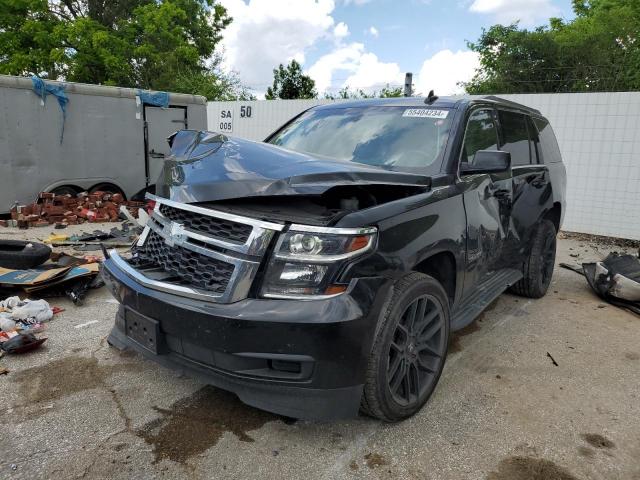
pixel 65 190
pixel 538 268
pixel 107 188
pixel 20 255
pixel 414 349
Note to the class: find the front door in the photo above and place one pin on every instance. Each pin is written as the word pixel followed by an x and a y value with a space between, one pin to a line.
pixel 487 202
pixel 159 124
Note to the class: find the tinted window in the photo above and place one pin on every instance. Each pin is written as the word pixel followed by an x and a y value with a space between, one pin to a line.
pixel 550 149
pixel 534 142
pixel 515 137
pixel 481 134
pixel 389 137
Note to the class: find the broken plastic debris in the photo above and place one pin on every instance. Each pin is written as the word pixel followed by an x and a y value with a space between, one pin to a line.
pixel 22 343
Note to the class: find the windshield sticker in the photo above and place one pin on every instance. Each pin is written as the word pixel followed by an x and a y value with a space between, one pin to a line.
pixel 425 113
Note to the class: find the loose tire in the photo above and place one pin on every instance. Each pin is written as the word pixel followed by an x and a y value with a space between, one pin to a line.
pixel 538 268
pixel 20 255
pixel 409 349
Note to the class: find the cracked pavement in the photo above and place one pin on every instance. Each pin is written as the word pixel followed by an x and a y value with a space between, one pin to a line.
pixel 78 408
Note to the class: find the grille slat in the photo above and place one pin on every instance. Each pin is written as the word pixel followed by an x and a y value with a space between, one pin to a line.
pixel 193 268
pixel 212 226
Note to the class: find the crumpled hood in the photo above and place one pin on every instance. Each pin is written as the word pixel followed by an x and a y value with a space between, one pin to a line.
pixel 205 167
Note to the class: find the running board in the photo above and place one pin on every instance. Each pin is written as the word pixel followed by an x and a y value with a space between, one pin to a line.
pixel 483 294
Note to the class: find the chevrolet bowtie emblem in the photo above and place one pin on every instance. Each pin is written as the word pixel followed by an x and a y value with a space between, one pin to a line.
pixel 174 234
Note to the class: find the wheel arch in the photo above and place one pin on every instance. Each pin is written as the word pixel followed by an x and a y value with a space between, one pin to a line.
pixel 70 186
pixel 441 266
pixel 555 215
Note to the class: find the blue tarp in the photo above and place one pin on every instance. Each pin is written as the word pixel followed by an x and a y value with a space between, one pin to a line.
pixel 42 89
pixel 157 99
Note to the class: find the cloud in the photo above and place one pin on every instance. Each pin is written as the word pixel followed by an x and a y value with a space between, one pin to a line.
pixel 528 12
pixel 353 66
pixel 373 31
pixel 341 30
pixel 444 70
pixel 265 33
pixel 355 2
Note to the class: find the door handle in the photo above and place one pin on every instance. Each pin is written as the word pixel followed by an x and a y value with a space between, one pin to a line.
pixel 501 193
pixel 539 182
pixel 496 191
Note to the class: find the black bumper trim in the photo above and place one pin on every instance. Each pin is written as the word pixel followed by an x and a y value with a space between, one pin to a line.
pixel 297 402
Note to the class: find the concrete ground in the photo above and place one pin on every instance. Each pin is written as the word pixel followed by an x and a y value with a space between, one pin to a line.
pixel 502 411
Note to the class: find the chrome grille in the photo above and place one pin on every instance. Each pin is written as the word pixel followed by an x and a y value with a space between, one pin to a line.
pixel 188 266
pixel 216 227
pixel 199 252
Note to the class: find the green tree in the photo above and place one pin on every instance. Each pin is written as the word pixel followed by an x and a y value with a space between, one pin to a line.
pixel 346 93
pixel 132 43
pixel 391 92
pixel 599 50
pixel 290 83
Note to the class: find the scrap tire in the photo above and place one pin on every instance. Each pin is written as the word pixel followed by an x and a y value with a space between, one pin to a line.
pixel 18 255
pixel 409 350
pixel 538 268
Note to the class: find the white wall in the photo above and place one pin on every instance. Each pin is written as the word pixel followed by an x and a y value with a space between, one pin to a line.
pixel 266 116
pixel 598 133
pixel 599 136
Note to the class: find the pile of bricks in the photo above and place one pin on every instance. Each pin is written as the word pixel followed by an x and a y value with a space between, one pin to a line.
pixel 63 210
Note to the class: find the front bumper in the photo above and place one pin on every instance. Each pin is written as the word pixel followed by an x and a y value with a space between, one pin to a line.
pixel 302 359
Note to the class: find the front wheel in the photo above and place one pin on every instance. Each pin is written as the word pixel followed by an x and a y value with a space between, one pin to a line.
pixel 538 268
pixel 409 350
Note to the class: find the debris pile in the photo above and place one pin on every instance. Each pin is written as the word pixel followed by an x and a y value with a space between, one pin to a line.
pixel 116 237
pixel 20 321
pixel 63 210
pixel 70 276
pixel 615 279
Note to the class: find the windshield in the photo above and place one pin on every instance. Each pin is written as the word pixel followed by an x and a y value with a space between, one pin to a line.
pixel 397 138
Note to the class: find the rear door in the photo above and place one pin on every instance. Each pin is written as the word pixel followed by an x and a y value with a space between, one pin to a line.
pixel 487 200
pixel 159 124
pixel 531 188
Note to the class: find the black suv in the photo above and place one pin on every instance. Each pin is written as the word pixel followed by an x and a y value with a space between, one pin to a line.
pixel 323 271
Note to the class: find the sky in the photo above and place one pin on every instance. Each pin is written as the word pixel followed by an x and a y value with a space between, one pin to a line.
pixel 367 44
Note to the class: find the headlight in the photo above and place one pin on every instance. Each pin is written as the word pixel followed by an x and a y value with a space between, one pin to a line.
pixel 306 260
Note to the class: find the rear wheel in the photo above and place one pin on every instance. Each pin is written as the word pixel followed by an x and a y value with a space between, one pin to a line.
pixel 409 350
pixel 107 188
pixel 65 190
pixel 538 268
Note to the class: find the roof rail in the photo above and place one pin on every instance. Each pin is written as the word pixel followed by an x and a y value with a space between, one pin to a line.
pixel 504 101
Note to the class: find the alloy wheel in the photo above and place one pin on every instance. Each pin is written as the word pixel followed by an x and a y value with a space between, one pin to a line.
pixel 416 351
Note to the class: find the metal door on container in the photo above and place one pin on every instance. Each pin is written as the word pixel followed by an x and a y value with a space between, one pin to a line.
pixel 159 124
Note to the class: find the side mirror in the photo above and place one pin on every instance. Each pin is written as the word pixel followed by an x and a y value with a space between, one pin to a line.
pixel 487 161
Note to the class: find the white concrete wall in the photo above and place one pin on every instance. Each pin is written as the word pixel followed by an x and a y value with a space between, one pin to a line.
pixel 598 133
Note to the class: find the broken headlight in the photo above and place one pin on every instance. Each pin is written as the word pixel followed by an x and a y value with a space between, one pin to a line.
pixel 306 260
